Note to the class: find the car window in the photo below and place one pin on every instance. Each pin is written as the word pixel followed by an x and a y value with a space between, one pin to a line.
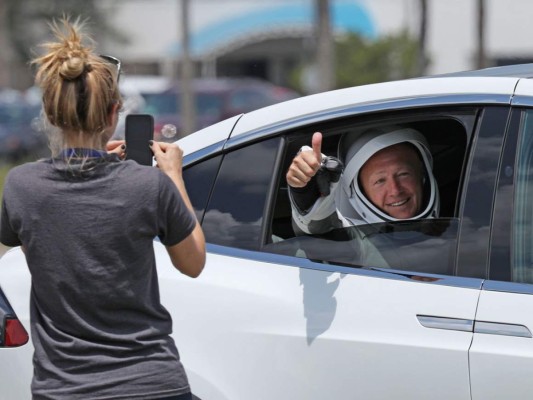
pixel 411 246
pixel 199 180
pixel 234 215
pixel 522 220
pixel 425 245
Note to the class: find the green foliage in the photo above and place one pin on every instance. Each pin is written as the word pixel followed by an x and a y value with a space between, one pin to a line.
pixel 4 168
pixel 361 61
pixel 24 24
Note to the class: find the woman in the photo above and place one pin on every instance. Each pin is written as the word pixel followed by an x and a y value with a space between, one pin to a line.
pixel 86 221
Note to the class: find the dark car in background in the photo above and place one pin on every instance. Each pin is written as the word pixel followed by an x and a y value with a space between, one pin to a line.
pixel 20 134
pixel 215 99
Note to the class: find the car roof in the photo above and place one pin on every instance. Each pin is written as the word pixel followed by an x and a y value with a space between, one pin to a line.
pixel 333 102
pixel 512 71
pixel 487 86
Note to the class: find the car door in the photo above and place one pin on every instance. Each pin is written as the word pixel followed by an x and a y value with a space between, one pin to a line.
pixel 501 357
pixel 291 326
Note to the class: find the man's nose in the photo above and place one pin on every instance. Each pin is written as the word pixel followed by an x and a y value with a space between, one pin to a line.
pixel 394 186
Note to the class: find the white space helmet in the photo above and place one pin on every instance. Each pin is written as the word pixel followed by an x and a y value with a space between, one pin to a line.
pixel 355 150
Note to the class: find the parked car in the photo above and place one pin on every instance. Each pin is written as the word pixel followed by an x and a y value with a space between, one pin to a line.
pixel 20 134
pixel 275 315
pixel 215 99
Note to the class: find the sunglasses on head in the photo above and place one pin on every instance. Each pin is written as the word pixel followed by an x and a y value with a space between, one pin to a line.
pixel 112 60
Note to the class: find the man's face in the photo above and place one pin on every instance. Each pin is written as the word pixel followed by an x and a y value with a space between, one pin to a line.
pixel 392 181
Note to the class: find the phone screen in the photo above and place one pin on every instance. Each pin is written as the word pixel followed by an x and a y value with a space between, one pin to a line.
pixel 139 131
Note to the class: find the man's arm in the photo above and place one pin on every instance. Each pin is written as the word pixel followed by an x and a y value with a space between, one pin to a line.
pixel 313 207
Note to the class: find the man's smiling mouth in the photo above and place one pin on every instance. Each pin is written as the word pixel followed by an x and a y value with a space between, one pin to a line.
pixel 398 203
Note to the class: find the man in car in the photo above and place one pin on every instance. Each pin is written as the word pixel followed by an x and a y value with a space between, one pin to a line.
pixel 387 177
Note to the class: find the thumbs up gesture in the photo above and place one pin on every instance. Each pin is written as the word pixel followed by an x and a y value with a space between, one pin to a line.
pixel 306 163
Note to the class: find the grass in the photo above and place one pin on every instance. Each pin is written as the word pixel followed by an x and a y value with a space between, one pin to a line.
pixel 4 168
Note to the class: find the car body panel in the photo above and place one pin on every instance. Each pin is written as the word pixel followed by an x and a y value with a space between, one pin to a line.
pixel 304 316
pixel 310 326
pixel 501 361
pixel 523 95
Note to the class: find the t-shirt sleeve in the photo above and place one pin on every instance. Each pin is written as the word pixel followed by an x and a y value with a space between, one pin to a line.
pixel 175 220
pixel 7 235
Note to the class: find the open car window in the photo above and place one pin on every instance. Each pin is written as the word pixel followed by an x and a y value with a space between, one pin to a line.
pixel 248 206
pixel 425 245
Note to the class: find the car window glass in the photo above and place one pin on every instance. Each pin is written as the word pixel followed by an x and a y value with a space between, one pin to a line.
pixel 234 215
pixel 403 245
pixel 199 180
pixel 522 243
pixel 424 245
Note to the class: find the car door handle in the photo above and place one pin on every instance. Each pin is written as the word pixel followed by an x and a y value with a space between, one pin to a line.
pixel 496 328
pixel 452 324
pixel 468 325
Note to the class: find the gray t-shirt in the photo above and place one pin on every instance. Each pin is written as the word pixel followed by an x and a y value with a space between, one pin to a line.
pixel 97 324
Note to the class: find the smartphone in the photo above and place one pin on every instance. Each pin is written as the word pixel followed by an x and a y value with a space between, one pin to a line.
pixel 139 131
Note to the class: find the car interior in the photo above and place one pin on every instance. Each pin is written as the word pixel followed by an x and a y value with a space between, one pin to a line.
pixel 448 134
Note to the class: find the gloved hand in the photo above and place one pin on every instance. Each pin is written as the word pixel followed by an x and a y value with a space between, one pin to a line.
pixel 329 172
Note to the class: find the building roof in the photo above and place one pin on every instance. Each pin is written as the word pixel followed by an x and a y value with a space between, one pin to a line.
pixel 286 19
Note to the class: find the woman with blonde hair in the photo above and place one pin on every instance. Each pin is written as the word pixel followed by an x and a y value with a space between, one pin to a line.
pixel 86 221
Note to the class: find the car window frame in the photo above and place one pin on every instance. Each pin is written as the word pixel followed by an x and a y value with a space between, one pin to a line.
pixel 412 106
pixel 493 125
pixel 425 113
pixel 501 257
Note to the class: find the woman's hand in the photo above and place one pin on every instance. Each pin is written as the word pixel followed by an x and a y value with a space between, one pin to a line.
pixel 117 147
pixel 169 158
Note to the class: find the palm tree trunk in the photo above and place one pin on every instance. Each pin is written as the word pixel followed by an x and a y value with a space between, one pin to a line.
pixel 481 61
pixel 422 60
pixel 325 51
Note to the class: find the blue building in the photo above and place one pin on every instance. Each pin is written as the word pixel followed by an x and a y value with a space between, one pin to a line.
pixel 233 37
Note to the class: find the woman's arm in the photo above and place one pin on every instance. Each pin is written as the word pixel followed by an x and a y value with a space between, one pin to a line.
pixel 188 256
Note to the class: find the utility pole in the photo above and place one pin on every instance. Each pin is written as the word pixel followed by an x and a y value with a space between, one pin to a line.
pixel 188 109
pixel 480 56
pixel 422 34
pixel 325 55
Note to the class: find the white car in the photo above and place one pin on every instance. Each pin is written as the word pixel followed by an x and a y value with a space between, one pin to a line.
pixel 276 315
